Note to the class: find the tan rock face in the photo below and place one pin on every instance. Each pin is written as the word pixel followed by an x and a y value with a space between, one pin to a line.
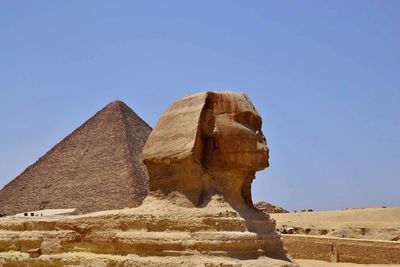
pixel 236 143
pixel 208 143
pixel 158 233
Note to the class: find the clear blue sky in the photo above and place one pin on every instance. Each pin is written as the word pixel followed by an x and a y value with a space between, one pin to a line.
pixel 325 76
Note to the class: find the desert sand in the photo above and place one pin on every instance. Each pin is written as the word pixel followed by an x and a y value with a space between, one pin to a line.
pixel 368 223
pixel 315 263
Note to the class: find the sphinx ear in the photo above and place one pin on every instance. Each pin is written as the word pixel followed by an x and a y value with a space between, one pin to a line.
pixel 207 123
pixel 211 148
pixel 214 141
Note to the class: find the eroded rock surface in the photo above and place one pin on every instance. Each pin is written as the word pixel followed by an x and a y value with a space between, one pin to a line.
pixel 158 233
pixel 204 144
pixel 201 157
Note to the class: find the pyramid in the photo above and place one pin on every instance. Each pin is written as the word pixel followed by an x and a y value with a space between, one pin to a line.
pixel 269 208
pixel 96 167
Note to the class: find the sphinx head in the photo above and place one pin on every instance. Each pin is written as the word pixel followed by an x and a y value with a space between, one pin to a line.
pixel 237 142
pixel 204 144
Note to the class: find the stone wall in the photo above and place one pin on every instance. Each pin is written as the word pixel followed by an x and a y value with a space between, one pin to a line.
pixel 342 250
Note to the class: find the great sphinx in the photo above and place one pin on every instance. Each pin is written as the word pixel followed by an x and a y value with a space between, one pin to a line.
pixel 205 144
pixel 201 157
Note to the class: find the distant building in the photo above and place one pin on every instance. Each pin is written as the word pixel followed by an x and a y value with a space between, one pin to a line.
pixel 288 230
pixel 50 212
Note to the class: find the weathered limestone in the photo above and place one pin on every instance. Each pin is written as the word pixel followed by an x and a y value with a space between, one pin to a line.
pixel 158 233
pixel 201 157
pixel 205 144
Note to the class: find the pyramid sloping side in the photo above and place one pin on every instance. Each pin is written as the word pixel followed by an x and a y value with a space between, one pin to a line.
pixel 96 167
pixel 269 208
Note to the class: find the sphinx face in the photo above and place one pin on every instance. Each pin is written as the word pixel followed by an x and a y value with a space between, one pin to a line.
pixel 237 142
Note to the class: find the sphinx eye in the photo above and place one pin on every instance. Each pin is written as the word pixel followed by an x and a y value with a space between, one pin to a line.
pixel 248 119
pixel 242 117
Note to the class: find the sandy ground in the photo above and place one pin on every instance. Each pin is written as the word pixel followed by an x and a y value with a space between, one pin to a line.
pixel 315 263
pixel 369 223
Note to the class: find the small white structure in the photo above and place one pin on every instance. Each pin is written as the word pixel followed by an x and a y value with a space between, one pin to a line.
pixel 49 212
pixel 288 230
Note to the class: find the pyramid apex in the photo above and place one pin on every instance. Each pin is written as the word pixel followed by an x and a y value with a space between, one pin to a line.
pixel 116 103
